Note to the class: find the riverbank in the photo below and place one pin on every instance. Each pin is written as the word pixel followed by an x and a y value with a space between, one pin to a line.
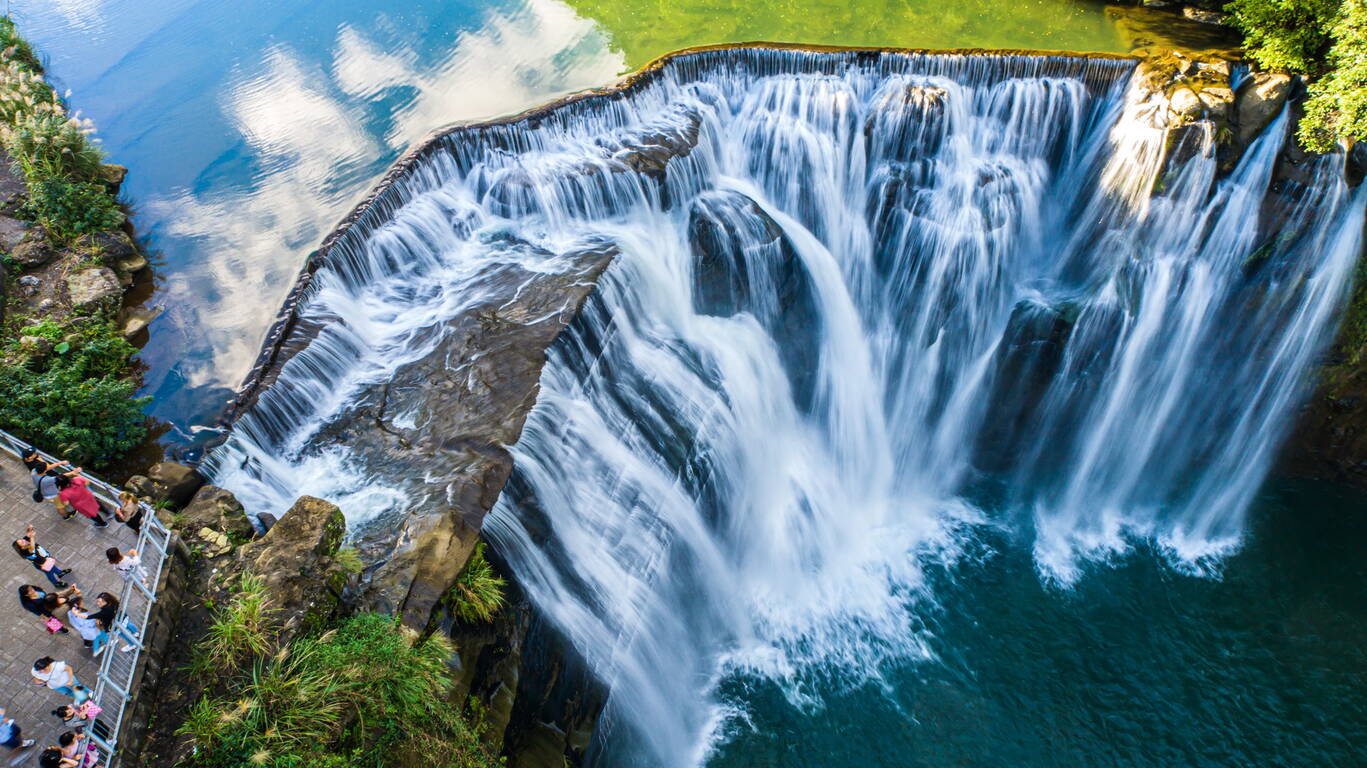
pixel 68 381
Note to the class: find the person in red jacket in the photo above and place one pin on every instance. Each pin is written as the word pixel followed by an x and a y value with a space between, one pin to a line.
pixel 73 491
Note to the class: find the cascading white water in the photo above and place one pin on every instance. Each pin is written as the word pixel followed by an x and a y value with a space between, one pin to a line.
pixel 870 304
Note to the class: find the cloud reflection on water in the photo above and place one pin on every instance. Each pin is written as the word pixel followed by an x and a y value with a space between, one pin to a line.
pixel 316 138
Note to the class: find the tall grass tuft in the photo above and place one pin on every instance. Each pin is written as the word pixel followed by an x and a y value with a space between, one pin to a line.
pixel 16 48
pixel 240 630
pixel 477 594
pixel 356 696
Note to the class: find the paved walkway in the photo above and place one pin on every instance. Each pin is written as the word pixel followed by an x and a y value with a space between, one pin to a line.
pixel 77 545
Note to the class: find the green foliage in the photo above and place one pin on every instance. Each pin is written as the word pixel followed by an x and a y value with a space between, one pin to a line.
pixel 79 398
pixel 69 209
pixel 349 560
pixel 1285 34
pixel 51 149
pixel 1337 108
pixel 240 630
pixel 17 48
pixel 478 592
pixel 1325 40
pixel 325 702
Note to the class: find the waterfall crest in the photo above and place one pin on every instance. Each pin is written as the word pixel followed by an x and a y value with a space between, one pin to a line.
pixel 860 306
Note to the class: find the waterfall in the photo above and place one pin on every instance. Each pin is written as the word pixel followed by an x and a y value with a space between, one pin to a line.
pixel 862 306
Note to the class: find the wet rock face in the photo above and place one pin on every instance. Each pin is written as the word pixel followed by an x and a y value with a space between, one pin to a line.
pixel 470 397
pixel 541 701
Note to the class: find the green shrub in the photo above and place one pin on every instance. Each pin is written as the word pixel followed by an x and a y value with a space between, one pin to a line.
pixel 349 561
pixel 90 420
pixel 69 209
pixel 1285 34
pixel 1337 108
pixel 478 592
pixel 324 702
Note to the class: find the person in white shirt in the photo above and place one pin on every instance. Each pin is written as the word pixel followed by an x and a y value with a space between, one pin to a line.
pixel 56 675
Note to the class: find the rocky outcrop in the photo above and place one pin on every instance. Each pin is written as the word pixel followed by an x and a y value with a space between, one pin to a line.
pixel 296 560
pixel 541 701
pixel 1260 99
pixel 214 521
pixel 471 395
pixel 297 565
pixel 167 481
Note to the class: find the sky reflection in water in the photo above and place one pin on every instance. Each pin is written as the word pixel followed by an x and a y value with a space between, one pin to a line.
pixel 252 126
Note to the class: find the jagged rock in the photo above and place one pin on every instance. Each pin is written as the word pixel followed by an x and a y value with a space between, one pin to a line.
pixel 217 510
pixel 140 486
pixel 134 321
pixel 12 233
pixel 133 264
pixel 34 250
pixel 46 305
pixel 93 286
pixel 113 175
pixel 36 346
pixel 173 482
pixel 28 285
pixel 1355 164
pixel 1260 99
pixel 295 560
pixel 112 246
pixel 267 521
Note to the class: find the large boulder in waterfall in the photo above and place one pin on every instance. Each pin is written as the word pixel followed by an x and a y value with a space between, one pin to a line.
pixel 1261 97
pixel 93 287
pixel 296 561
pixel 215 520
pixel 742 262
pixel 907 122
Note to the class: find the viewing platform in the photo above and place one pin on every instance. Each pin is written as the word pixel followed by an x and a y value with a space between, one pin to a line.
pixel 79 545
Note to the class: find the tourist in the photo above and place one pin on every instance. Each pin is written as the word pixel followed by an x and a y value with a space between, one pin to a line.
pixel 75 492
pixel 52 757
pixel 128 564
pixel 44 475
pixel 106 608
pixel 106 617
pixel 130 511
pixel 27 547
pixel 56 675
pixel 80 715
pixel 71 746
pixel 34 600
pixel 83 621
pixel 10 735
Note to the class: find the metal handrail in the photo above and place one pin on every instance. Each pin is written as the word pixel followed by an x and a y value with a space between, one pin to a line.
pixel 114 690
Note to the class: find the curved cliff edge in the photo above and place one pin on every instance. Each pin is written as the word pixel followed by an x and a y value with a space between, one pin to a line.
pixel 540 701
